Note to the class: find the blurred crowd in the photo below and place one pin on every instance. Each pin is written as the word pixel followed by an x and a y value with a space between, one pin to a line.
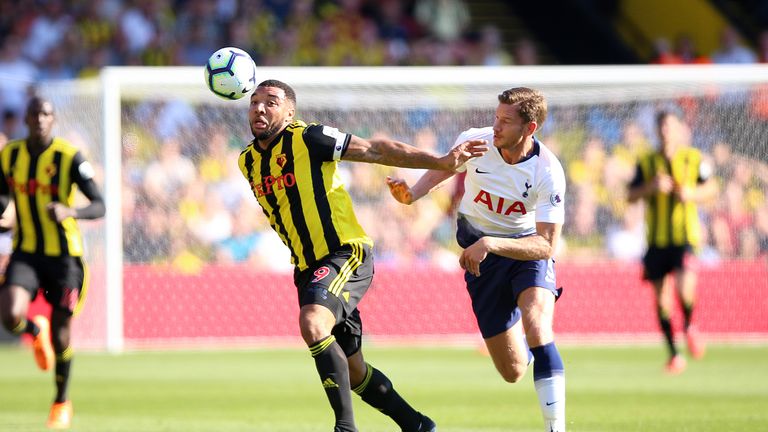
pixel 185 201
pixel 732 50
pixel 62 39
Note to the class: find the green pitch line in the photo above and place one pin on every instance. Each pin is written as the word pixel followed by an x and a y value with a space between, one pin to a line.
pixel 609 389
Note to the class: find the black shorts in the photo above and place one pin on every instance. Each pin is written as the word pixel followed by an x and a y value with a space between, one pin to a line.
pixel 62 279
pixel 659 262
pixel 338 282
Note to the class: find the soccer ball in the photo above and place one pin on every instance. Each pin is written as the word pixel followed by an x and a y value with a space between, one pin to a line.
pixel 230 73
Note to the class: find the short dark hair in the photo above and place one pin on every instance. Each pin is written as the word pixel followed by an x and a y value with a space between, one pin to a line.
pixel 532 105
pixel 289 93
pixel 37 101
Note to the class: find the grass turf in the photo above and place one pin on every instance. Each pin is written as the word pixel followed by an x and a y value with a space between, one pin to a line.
pixel 609 389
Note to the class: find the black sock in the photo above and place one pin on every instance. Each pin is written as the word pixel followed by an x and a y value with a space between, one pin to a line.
pixel 376 390
pixel 25 326
pixel 63 364
pixel 32 328
pixel 666 328
pixel 333 369
pixel 687 314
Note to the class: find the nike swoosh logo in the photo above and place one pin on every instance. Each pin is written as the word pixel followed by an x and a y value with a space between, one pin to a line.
pixel 477 170
pixel 551 403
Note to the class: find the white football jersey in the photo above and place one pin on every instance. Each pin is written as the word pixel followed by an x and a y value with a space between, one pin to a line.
pixel 507 200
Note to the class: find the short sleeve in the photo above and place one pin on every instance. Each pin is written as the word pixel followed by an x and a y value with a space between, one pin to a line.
pixel 325 142
pixel 705 172
pixel 82 170
pixel 550 203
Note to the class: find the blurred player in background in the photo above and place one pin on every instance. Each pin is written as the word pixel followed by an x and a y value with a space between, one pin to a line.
pixel 6 227
pixel 6 239
pixel 292 170
pixel 509 223
pixel 41 174
pixel 672 180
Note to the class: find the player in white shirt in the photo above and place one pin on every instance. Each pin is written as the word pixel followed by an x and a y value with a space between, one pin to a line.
pixel 509 224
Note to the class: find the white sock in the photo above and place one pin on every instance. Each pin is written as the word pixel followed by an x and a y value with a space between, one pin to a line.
pixel 551 392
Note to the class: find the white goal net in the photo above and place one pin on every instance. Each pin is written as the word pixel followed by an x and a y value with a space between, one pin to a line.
pixel 186 257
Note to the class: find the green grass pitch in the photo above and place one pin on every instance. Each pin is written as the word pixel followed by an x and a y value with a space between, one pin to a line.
pixel 276 390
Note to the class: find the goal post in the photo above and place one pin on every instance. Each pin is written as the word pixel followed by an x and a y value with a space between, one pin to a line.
pixel 111 82
pixel 177 280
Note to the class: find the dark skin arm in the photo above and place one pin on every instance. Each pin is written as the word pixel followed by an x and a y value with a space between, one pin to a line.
pixel 94 210
pixel 385 151
pixel 59 211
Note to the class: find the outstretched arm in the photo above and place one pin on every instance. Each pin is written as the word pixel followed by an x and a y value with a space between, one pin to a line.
pixel 385 151
pixel 428 182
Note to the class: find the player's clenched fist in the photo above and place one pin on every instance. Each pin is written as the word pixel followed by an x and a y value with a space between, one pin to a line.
pixel 400 190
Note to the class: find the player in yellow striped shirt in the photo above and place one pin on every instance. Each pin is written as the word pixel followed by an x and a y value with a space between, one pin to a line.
pixel 292 170
pixel 41 174
pixel 672 180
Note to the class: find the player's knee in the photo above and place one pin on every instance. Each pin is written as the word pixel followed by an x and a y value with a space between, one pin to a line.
pixel 513 372
pixel 10 320
pixel 313 333
pixel 358 369
pixel 313 329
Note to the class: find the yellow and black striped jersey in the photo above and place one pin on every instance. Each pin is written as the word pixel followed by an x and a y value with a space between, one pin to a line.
pixel 297 183
pixel 670 222
pixel 34 181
